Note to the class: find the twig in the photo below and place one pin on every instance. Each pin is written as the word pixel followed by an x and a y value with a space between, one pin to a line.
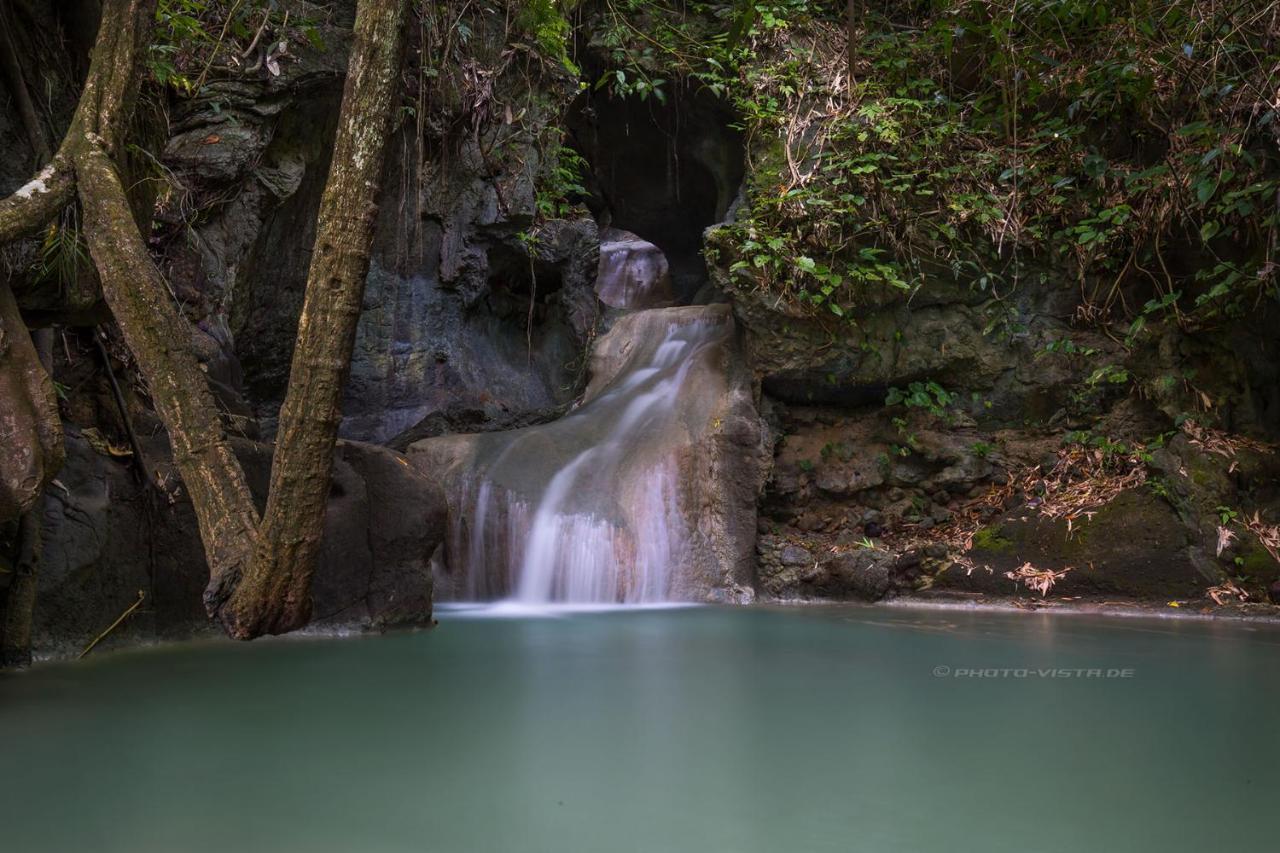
pixel 204 74
pixel 123 616
pixel 138 455
pixel 266 16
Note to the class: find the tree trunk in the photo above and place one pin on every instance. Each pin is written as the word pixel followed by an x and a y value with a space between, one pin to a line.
pixel 139 297
pixel 104 109
pixel 20 603
pixel 274 596
pixel 260 577
pixel 31 450
pixel 160 342
pixel 16 82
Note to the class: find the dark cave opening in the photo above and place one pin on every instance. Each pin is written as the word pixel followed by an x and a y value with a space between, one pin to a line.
pixel 662 169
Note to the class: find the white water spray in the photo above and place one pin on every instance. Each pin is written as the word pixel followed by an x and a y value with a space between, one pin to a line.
pixel 586 509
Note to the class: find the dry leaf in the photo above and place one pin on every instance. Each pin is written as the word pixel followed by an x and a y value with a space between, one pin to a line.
pixel 101 446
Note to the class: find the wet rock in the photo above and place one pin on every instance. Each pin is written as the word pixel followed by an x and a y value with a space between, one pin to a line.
pixel 633 273
pixel 794 555
pixel 1133 547
pixel 464 420
pixel 861 574
pixel 704 448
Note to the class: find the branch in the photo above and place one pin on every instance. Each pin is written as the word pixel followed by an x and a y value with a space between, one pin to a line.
pixel 105 106
pixel 159 339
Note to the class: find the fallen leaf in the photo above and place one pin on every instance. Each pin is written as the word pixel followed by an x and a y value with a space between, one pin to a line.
pixel 102 446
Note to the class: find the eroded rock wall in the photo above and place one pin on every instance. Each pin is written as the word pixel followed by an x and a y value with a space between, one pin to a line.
pixel 881 486
pixel 108 538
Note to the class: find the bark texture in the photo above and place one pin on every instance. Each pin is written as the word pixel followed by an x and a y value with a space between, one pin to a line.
pixel 31 449
pixel 20 603
pixel 104 109
pixel 160 342
pixel 139 297
pixel 274 595
pixel 260 576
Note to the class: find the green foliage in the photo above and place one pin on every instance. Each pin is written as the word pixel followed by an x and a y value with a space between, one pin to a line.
pixel 1111 449
pixel 545 23
pixel 842 450
pixel 1067 347
pixel 927 396
pixel 561 182
pixel 63 255
pixel 192 37
pixel 980 139
pixel 1108 374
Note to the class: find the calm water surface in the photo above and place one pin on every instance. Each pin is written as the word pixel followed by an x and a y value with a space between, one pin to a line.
pixel 698 729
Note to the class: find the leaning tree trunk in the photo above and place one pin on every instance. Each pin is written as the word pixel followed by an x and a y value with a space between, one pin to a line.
pixel 31 450
pixel 20 603
pixel 260 575
pixel 139 297
pixel 274 596
pixel 160 342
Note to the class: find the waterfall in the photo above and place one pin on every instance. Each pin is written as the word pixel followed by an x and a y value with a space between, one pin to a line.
pixel 588 509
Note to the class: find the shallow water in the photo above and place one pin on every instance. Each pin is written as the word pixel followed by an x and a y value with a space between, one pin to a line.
pixel 695 729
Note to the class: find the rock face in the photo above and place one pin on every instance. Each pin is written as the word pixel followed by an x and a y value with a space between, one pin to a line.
pixel 654 478
pixel 470 305
pixel 892 433
pixel 1134 547
pixel 106 539
pixel 790 572
pixel 633 273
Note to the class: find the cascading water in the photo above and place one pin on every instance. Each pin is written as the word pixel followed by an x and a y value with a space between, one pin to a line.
pixel 588 509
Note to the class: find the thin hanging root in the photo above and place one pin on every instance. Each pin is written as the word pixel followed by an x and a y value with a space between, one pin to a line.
pixel 138 456
pixel 123 616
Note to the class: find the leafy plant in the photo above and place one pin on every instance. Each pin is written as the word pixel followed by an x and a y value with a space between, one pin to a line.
pixel 561 182
pixel 928 396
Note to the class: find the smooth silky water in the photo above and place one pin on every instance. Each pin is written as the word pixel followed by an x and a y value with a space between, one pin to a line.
pixel 695 729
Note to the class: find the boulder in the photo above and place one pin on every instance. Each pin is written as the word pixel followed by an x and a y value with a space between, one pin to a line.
pixel 860 574
pixel 633 273
pixel 1134 547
